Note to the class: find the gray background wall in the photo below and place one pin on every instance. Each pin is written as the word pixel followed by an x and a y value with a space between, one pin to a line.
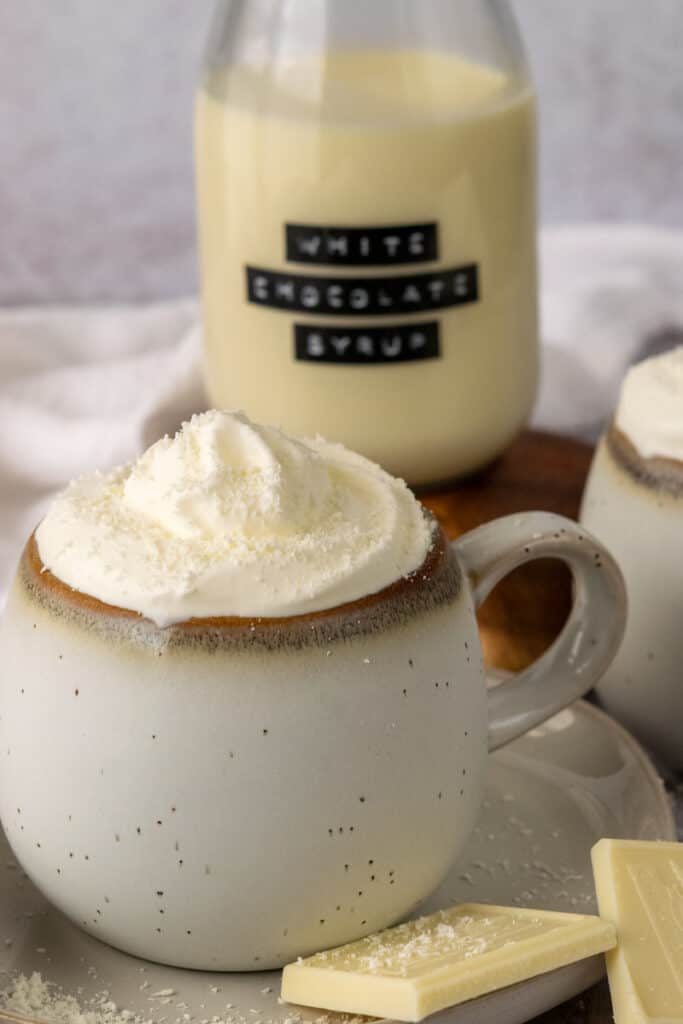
pixel 96 193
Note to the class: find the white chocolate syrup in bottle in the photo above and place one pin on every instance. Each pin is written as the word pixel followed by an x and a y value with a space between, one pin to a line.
pixel 366 181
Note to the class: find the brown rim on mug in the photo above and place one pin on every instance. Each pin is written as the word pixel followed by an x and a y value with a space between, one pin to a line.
pixel 657 473
pixel 566 671
pixel 437 582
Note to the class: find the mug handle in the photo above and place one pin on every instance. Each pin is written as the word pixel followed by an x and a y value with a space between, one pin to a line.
pixel 591 636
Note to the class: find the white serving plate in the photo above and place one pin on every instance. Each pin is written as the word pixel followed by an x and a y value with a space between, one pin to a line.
pixel 550 796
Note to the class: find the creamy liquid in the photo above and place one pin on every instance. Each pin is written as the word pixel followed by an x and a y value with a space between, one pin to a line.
pixel 373 139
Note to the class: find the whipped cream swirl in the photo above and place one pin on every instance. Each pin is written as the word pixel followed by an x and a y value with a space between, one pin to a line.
pixel 650 410
pixel 232 518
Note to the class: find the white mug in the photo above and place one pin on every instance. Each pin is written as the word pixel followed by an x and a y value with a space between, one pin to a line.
pixel 636 506
pixel 229 794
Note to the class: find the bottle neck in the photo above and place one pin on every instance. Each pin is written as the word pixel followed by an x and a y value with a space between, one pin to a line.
pixel 269 33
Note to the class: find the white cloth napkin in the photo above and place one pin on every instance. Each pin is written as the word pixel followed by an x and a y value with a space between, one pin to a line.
pixel 610 295
pixel 90 388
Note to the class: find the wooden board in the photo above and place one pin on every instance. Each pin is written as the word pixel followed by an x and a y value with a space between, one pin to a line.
pixel 526 611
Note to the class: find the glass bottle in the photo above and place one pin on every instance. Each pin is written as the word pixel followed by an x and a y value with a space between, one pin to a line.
pixel 366 183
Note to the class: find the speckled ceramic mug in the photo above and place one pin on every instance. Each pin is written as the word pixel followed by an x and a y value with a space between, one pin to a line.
pixel 636 506
pixel 231 793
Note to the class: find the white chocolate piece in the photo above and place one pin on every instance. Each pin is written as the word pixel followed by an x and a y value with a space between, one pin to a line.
pixel 640 890
pixel 410 971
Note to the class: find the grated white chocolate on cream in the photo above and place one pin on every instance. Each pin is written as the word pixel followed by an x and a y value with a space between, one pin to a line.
pixel 232 518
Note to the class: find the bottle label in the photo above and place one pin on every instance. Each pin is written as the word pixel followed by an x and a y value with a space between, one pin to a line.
pixel 355 296
pixel 367 345
pixel 361 247
pixel 362 296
